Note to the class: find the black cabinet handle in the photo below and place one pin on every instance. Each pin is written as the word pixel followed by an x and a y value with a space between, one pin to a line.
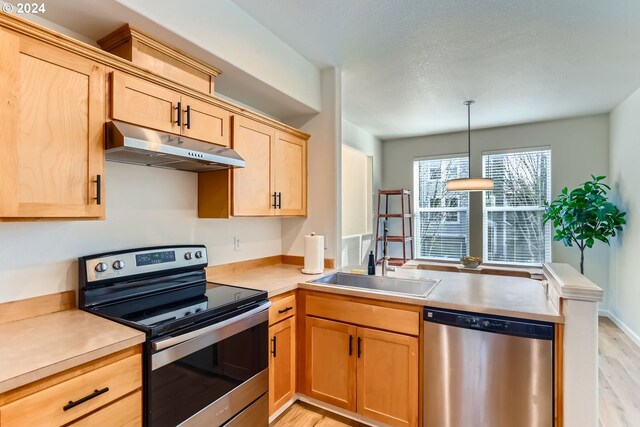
pixel 98 182
pixel 179 111
pixel 350 345
pixel 273 350
pixel 73 404
pixel 188 116
pixel 284 310
pixel 275 203
pixel 279 200
pixel 359 346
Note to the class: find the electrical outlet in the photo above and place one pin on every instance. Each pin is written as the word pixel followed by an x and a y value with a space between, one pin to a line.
pixel 236 243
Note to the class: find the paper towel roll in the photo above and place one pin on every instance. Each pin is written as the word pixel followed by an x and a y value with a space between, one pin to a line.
pixel 313 254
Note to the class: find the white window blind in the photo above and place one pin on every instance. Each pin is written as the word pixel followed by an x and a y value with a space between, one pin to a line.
pixel 441 217
pixel 513 230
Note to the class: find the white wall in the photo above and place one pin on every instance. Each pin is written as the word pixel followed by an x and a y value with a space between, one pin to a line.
pixel 356 192
pixel 355 249
pixel 579 148
pixel 323 180
pixel 624 164
pixel 363 141
pixel 145 206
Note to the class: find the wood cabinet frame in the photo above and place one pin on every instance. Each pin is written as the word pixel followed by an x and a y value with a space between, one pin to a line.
pixel 369 328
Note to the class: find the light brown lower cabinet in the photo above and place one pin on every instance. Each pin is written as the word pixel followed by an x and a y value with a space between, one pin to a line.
pixel 282 350
pixel 331 362
pixel 126 412
pixel 106 391
pixel 371 372
pixel 282 366
pixel 388 377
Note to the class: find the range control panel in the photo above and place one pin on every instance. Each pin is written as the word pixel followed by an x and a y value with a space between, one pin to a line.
pixel 131 263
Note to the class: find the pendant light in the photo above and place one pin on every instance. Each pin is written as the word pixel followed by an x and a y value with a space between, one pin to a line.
pixel 469 184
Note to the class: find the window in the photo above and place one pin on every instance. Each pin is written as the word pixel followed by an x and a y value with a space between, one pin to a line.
pixel 442 218
pixel 513 230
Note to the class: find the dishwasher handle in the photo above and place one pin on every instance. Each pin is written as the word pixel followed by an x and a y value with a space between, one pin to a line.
pixel 491 323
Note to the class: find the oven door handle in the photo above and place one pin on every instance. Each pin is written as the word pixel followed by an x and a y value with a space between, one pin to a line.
pixel 170 342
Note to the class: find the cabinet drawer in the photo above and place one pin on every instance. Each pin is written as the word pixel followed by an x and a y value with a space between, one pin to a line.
pixel 126 412
pixel 365 314
pixel 46 407
pixel 282 308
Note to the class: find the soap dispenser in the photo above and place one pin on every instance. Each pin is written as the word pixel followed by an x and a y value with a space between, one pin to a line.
pixel 372 264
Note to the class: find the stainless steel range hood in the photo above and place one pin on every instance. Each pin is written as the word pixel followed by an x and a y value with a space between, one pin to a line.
pixel 127 143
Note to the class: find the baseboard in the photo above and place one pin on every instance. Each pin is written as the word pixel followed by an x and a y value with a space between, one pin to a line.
pixel 283 408
pixel 623 326
pixel 339 411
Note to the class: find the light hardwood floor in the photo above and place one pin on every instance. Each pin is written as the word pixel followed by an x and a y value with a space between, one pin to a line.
pixel 302 414
pixel 619 377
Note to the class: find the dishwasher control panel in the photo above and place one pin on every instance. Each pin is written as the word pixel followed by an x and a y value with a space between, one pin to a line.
pixel 491 323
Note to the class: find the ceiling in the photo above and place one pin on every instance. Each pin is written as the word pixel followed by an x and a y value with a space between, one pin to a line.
pixel 408 65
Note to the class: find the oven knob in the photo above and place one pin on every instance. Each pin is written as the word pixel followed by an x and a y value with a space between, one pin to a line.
pixel 118 265
pixel 198 310
pixel 187 313
pixel 199 254
pixel 187 256
pixel 101 267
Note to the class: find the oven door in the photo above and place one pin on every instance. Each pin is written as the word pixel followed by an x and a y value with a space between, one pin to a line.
pixel 210 375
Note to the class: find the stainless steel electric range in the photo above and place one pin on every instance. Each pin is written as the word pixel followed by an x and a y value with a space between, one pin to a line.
pixel 205 357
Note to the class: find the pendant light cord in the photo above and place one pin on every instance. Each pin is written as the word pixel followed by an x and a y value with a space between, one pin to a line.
pixel 468 104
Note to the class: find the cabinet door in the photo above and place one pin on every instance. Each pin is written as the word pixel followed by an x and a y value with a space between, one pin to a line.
pixel 388 377
pixel 282 363
pixel 252 184
pixel 205 121
pixel 143 103
pixel 126 412
pixel 290 171
pixel 331 362
pixel 52 131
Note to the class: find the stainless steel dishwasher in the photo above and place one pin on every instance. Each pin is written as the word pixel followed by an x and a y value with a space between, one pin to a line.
pixel 487 371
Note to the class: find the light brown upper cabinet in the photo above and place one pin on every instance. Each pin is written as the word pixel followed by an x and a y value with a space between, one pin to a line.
pixel 253 184
pixel 289 166
pixel 51 132
pixel 273 183
pixel 150 105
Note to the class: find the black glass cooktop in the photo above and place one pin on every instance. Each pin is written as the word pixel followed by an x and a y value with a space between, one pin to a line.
pixel 166 313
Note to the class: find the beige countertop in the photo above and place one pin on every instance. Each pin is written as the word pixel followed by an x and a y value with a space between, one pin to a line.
pixel 37 347
pixel 499 295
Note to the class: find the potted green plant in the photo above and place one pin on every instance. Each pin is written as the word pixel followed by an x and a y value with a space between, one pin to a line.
pixel 584 215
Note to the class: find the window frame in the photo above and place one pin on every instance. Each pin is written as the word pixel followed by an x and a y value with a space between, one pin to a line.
pixel 417 210
pixel 485 208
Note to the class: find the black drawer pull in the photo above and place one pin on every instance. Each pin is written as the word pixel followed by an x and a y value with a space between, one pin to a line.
pixel 359 345
pixel 179 111
pixel 284 310
pixel 273 351
pixel 350 345
pixel 275 203
pixel 279 200
pixel 73 404
pixel 98 182
pixel 188 116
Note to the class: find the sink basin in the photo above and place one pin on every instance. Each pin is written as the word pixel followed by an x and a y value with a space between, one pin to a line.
pixel 385 285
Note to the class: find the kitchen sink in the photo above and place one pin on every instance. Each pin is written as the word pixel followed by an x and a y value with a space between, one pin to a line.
pixel 385 285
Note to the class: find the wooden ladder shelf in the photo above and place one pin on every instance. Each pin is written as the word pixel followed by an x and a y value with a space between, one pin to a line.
pixel 405 215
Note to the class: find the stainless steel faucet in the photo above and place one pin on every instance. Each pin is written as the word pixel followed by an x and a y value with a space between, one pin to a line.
pixel 385 248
